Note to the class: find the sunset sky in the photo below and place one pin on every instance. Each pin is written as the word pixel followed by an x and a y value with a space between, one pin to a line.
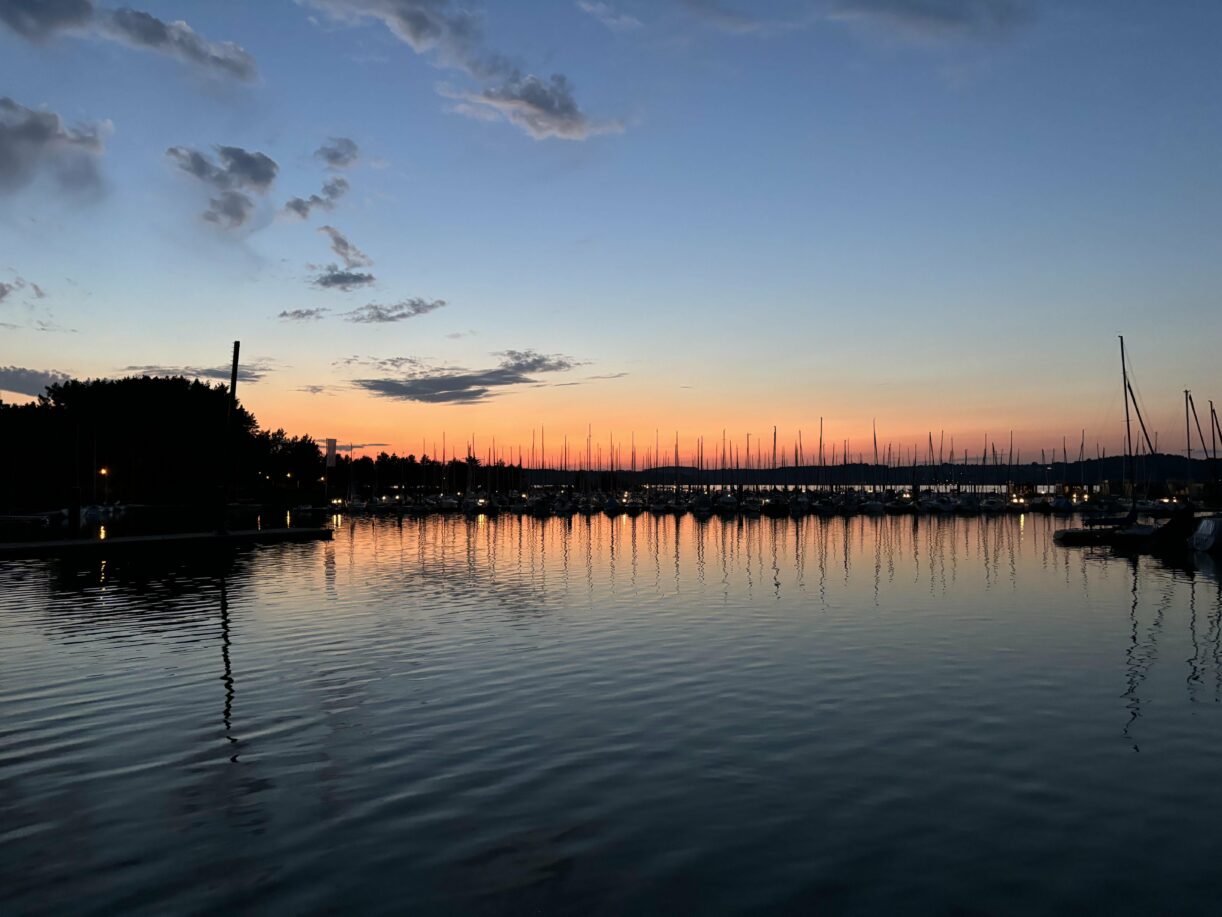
pixel 428 216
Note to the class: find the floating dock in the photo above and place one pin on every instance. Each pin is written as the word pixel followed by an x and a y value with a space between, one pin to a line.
pixel 180 541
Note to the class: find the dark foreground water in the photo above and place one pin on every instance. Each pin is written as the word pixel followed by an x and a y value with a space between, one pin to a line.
pixel 615 717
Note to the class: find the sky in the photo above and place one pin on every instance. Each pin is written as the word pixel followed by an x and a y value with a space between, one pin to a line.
pixel 480 221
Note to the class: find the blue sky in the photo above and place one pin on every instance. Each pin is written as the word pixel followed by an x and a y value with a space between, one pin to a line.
pixel 934 212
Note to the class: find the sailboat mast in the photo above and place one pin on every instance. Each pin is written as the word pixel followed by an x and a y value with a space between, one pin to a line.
pixel 1128 426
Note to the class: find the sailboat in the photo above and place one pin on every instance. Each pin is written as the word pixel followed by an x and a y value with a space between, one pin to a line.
pixel 1125 531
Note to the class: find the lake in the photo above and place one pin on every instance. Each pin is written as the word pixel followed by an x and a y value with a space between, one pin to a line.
pixel 614 716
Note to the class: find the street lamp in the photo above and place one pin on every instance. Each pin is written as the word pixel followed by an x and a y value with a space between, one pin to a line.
pixel 105 473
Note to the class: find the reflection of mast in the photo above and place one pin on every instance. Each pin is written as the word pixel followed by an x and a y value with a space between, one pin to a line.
pixel 227 678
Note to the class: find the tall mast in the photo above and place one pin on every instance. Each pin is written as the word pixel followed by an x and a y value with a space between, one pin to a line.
pixel 1128 427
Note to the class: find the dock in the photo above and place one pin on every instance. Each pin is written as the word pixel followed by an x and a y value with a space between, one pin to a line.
pixel 186 540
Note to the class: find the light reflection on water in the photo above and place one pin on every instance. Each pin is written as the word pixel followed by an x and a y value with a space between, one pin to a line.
pixel 615 716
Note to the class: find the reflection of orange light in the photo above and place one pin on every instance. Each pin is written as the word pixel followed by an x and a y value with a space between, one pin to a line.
pixel 102 533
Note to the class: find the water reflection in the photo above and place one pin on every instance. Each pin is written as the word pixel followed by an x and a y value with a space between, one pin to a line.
pixel 560 715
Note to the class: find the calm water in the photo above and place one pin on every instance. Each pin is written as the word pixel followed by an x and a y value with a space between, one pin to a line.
pixel 615 716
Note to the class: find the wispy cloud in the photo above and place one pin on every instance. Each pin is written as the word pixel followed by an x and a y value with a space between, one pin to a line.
pixel 333 277
pixel 302 315
pixel 247 372
pixel 937 18
pixel 609 16
pixel 332 191
pixel 37 143
pixel 462 386
pixel 397 312
pixel 41 20
pixel 348 253
pixel 180 41
pixel 25 381
pixel 339 153
pixel 542 108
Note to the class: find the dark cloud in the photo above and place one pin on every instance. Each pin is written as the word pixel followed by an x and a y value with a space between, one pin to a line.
pixel 332 191
pixel 40 19
pixel 29 381
pixel 229 209
pixel 397 312
pixel 938 18
pixel 338 152
pixel 606 376
pixel 232 173
pixel 542 109
pixel 38 142
pixel 302 315
pixel 332 277
pixel 250 372
pixel 314 390
pixel 180 41
pixel 424 25
pixel 383 364
pixel 20 283
pixel 348 253
pixel 461 386
pixel 234 167
pixel 609 16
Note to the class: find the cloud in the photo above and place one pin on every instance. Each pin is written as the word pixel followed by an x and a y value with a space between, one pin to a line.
pixel 333 278
pixel 232 173
pixel 461 386
pixel 424 25
pixel 249 372
pixel 385 364
pixel 314 389
pixel 332 191
pixel 542 109
pixel 29 381
pixel 180 41
pixel 937 18
pixel 408 308
pixel 33 143
pixel 453 36
pixel 717 15
pixel 459 335
pixel 609 16
pixel 20 283
pixel 338 152
pixel 234 167
pixel 606 376
pixel 348 253
pixel 230 209
pixel 38 20
pixel 302 315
